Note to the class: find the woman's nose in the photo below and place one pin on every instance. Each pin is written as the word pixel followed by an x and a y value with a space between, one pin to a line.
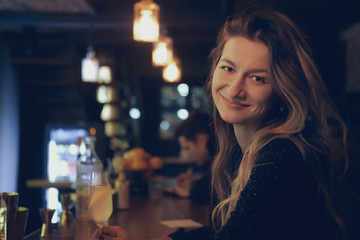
pixel 237 88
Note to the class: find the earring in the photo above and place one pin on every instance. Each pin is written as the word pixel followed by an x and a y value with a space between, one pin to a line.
pixel 282 108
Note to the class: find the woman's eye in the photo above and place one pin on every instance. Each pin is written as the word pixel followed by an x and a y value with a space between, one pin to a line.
pixel 258 79
pixel 227 69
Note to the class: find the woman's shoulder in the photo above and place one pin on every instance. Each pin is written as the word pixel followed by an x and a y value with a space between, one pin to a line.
pixel 278 145
pixel 279 149
pixel 281 160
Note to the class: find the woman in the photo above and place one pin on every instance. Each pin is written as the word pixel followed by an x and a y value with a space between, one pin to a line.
pixel 282 150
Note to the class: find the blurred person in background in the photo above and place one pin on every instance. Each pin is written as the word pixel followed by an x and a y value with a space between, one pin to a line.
pixel 197 147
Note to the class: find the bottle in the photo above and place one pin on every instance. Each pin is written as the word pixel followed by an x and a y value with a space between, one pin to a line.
pixel 87 162
pixel 122 186
pixel 3 218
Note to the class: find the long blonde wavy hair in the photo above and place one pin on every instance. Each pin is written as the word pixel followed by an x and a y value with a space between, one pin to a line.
pixel 302 112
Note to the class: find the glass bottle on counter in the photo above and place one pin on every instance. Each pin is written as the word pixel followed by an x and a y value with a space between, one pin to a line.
pixel 87 162
pixel 3 218
pixel 122 186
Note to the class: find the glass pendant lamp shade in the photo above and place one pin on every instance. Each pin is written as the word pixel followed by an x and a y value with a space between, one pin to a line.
pixel 105 75
pixel 162 52
pixel 146 21
pixel 172 72
pixel 115 129
pixel 90 67
pixel 106 94
pixel 109 112
pixel 111 128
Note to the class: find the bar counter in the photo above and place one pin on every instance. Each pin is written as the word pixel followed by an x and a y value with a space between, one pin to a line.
pixel 142 219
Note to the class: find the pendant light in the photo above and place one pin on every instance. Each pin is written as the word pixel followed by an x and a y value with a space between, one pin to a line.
pixel 146 21
pixel 90 66
pixel 172 72
pixel 106 94
pixel 109 112
pixel 162 51
pixel 115 128
pixel 105 75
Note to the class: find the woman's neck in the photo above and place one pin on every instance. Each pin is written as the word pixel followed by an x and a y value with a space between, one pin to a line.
pixel 244 135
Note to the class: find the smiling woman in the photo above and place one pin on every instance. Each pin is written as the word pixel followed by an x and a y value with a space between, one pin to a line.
pixel 277 152
pixel 240 86
pixel 282 156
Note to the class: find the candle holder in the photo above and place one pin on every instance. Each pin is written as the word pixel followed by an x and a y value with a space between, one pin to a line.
pixel 66 215
pixel 46 214
pixel 11 200
pixel 21 219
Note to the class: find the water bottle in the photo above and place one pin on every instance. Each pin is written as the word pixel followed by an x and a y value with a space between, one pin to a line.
pixel 3 218
pixel 87 162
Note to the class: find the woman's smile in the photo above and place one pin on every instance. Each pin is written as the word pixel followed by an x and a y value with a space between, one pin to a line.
pixel 232 104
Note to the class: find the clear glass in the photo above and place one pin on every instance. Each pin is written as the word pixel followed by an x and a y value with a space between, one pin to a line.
pixel 100 203
pixel 88 162
pixel 3 218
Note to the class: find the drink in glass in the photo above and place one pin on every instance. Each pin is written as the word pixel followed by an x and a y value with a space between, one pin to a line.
pixel 100 203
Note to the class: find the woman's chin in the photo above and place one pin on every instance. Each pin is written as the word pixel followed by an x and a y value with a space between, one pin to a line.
pixel 229 118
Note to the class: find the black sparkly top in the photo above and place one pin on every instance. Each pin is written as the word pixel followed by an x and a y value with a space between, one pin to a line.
pixel 280 201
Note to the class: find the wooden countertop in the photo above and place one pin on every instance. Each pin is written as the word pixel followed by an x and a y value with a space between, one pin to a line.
pixel 141 220
pixel 45 183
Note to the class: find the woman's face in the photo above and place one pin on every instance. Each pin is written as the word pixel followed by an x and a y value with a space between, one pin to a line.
pixel 240 86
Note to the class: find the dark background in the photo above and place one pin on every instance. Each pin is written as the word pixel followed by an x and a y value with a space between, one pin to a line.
pixel 47 45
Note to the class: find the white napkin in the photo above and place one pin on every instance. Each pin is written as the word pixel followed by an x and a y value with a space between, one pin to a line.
pixel 184 223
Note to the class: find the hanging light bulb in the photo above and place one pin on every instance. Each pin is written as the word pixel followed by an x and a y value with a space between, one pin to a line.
pixel 105 75
pixel 146 21
pixel 109 112
pixel 162 51
pixel 90 66
pixel 111 128
pixel 172 72
pixel 106 94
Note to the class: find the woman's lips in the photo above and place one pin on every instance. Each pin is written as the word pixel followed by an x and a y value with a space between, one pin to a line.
pixel 233 104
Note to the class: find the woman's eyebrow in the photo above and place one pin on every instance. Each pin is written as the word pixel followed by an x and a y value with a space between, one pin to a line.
pixel 258 70
pixel 227 61
pixel 255 70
